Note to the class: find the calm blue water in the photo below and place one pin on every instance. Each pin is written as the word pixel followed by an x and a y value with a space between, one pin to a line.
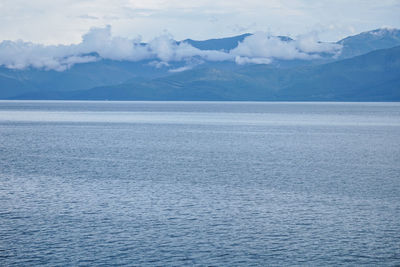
pixel 208 184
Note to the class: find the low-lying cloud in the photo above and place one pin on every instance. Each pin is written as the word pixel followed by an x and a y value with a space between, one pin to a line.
pixel 98 44
pixel 261 48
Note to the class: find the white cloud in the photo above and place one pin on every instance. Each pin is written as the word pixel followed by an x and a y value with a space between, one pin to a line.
pixel 166 49
pixel 260 45
pixel 20 54
pixel 117 48
pixel 310 43
pixel 159 64
pixel 261 48
pixel 99 43
pixel 255 60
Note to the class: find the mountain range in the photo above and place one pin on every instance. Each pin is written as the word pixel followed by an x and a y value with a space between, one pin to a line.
pixel 367 68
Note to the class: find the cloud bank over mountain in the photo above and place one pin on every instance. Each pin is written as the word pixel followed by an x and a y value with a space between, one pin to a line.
pixel 98 43
pixel 260 48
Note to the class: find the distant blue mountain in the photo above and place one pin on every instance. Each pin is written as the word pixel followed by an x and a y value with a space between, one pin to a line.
pixel 371 77
pixel 352 46
pixel 369 41
pixel 224 44
pixel 79 77
pixel 224 80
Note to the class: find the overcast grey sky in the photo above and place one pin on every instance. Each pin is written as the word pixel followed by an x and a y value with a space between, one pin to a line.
pixel 65 21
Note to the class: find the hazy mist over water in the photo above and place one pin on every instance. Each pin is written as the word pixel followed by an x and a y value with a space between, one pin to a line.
pixel 199 183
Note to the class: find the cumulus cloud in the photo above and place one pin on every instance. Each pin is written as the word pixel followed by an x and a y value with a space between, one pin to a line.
pixel 99 43
pixel 261 48
pixel 96 44
pixel 310 43
pixel 260 45
pixel 100 40
pixel 158 64
pixel 19 55
pixel 255 60
pixel 166 49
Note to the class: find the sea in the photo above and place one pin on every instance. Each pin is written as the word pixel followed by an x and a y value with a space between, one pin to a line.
pixel 199 183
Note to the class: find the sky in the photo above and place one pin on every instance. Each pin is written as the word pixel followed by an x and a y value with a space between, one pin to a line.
pixel 57 34
pixel 54 22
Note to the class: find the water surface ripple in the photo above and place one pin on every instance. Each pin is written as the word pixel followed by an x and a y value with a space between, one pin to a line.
pixel 203 184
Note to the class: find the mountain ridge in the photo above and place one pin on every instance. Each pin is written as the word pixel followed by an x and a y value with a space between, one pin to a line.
pixel 370 77
pixel 37 83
